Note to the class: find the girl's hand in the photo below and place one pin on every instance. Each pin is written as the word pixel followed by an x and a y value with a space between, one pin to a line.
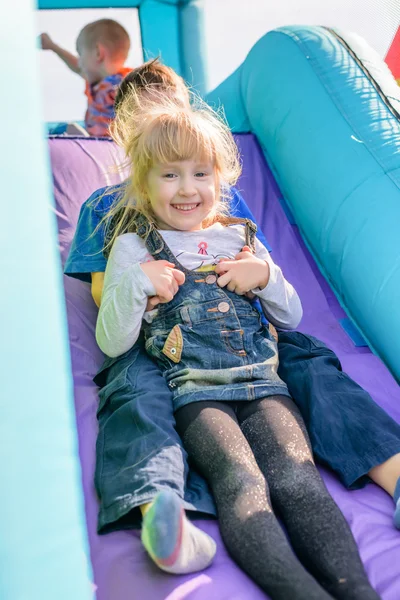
pixel 243 274
pixel 165 279
pixel 152 303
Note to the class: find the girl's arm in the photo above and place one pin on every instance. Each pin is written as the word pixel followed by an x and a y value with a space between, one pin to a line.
pixel 279 300
pixel 124 298
pixel 257 273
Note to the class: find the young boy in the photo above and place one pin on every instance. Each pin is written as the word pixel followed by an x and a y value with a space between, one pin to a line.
pixel 102 48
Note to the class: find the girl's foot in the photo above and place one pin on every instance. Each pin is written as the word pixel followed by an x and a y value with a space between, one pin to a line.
pixel 172 541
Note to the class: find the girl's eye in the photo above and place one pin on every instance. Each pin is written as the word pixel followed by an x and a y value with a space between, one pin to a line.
pixel 201 174
pixel 169 175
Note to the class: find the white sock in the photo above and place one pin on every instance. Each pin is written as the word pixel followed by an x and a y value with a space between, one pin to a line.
pixel 172 541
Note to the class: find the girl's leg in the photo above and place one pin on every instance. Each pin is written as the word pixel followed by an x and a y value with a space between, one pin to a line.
pixel 317 529
pixel 248 525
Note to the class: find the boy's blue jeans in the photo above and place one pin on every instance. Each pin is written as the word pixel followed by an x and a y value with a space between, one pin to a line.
pixel 139 452
pixel 349 432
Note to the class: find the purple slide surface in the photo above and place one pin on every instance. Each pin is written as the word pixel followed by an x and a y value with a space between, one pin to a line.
pixel 121 568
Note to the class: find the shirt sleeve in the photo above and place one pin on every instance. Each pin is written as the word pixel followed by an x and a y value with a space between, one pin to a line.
pixel 124 298
pixel 279 300
pixel 86 252
pixel 239 208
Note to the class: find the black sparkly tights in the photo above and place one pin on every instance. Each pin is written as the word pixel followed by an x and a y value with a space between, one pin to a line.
pixel 256 456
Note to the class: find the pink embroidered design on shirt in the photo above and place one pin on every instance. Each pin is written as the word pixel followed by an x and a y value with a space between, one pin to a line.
pixel 203 248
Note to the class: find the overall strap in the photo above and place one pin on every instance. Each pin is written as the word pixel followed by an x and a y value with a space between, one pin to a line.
pixel 109 230
pixel 250 228
pixel 145 229
pixel 250 234
pixel 154 241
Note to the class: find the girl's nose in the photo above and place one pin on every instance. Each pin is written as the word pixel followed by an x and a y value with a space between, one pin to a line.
pixel 187 189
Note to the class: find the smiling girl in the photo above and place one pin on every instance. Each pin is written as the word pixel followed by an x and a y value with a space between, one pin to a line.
pixel 234 414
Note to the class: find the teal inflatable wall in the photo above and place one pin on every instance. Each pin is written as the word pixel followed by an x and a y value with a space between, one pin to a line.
pixel 44 553
pixel 43 547
pixel 333 141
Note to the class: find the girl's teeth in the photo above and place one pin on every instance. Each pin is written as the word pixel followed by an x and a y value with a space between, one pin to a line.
pixel 185 206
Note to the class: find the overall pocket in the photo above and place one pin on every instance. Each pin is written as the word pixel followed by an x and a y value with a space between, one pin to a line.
pixel 234 341
pixel 166 347
pixel 173 346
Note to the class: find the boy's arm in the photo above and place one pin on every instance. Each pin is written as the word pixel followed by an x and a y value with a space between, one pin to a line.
pixel 71 60
pixel 86 251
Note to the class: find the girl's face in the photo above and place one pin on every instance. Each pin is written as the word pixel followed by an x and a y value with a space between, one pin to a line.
pixel 182 194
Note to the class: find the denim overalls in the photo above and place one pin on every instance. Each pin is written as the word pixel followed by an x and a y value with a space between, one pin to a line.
pixel 210 343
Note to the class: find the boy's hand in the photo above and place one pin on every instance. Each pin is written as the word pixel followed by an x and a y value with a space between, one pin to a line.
pixel 46 41
pixel 70 59
pixel 165 278
pixel 243 274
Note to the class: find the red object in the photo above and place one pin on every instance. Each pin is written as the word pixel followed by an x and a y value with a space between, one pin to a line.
pixel 393 56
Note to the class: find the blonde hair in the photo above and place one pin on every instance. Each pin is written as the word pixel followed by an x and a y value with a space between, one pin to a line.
pixel 157 128
pixel 108 32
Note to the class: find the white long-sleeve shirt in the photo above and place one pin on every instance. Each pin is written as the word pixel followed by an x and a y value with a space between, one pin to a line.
pixel 127 287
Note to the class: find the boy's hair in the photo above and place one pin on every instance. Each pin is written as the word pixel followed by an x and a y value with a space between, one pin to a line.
pixel 152 74
pixel 109 33
pixel 161 130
